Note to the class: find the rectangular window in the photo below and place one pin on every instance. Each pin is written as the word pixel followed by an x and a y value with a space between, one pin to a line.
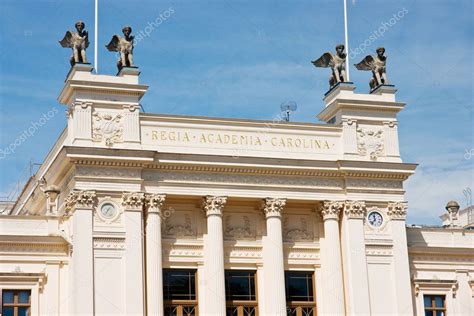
pixel 300 298
pixel 435 305
pixel 241 293
pixel 179 292
pixel 16 302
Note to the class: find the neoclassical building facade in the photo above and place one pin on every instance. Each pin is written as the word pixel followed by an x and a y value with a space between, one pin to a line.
pixel 134 213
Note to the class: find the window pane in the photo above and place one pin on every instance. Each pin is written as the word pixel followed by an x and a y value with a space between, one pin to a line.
pixel 24 297
pixel 23 311
pixel 7 296
pixel 429 313
pixel 240 285
pixel 427 300
pixel 7 311
pixel 439 313
pixel 439 301
pixel 299 286
pixel 179 284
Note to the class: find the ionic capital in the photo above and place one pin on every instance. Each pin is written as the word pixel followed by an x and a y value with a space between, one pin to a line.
pixel 154 202
pixel 133 200
pixel 273 207
pixel 213 205
pixel 397 210
pixel 80 199
pixel 331 209
pixel 355 209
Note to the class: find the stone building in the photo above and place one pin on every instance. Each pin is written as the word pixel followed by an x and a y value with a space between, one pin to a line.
pixel 134 213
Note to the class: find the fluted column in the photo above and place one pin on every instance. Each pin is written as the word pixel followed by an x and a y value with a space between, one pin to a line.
pixel 133 203
pixel 354 258
pixel 79 205
pixel 214 282
pixel 154 264
pixel 396 211
pixel 273 264
pixel 331 259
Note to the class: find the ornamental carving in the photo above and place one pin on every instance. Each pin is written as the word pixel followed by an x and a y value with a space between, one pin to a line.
pixel 107 127
pixel 273 207
pixel 355 209
pixel 331 209
pixel 179 229
pixel 213 205
pixel 154 202
pixel 79 199
pixel 244 231
pixel 370 142
pixel 397 210
pixel 298 232
pixel 133 200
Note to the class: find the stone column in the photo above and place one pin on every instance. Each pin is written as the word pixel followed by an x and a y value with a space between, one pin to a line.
pixel 397 213
pixel 154 265
pixel 354 258
pixel 80 205
pixel 214 257
pixel 331 259
pixel 134 282
pixel 273 264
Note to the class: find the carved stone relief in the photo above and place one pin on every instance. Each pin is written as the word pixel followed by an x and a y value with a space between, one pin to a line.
pixel 297 228
pixel 107 127
pixel 370 142
pixel 179 225
pixel 239 226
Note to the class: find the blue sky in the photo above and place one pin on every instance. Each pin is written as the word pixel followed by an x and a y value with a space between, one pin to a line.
pixel 243 59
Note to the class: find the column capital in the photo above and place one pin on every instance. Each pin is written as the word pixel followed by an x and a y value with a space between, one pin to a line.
pixel 331 209
pixel 273 207
pixel 397 210
pixel 80 199
pixel 154 202
pixel 213 205
pixel 355 209
pixel 133 200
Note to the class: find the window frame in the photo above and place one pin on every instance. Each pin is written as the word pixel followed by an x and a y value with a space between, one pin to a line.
pixel 433 308
pixel 303 304
pixel 180 304
pixel 241 304
pixel 16 305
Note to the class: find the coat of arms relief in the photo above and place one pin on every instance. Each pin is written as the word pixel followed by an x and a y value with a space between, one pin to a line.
pixel 370 142
pixel 107 127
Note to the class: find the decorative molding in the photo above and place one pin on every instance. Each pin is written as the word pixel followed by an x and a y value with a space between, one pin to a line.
pixel 109 243
pixel 154 202
pixel 446 285
pixel 397 210
pixel 370 142
pixel 107 127
pixel 182 251
pixel 243 252
pixel 133 200
pixel 355 209
pixel 80 199
pixel 244 231
pixel 331 209
pixel 273 207
pixel 90 171
pixel 213 205
pixel 374 184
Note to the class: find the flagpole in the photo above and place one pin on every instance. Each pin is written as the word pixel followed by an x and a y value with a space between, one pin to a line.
pixel 346 39
pixel 96 34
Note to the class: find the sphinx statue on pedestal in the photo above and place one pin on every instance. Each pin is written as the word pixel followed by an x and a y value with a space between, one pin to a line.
pixel 123 45
pixel 376 64
pixel 78 41
pixel 336 62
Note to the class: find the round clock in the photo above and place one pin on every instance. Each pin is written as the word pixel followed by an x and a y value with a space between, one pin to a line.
pixel 375 219
pixel 108 210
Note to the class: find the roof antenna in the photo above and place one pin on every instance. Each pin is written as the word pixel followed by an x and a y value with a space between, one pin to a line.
pixel 286 109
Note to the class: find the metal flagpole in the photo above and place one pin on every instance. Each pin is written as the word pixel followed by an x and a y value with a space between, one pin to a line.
pixel 346 39
pixel 96 34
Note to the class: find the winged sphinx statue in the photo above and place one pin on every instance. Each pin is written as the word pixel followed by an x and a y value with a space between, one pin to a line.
pixel 376 64
pixel 336 62
pixel 78 41
pixel 123 45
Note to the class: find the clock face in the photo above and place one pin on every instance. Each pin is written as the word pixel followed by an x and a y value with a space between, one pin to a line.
pixel 107 210
pixel 375 219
